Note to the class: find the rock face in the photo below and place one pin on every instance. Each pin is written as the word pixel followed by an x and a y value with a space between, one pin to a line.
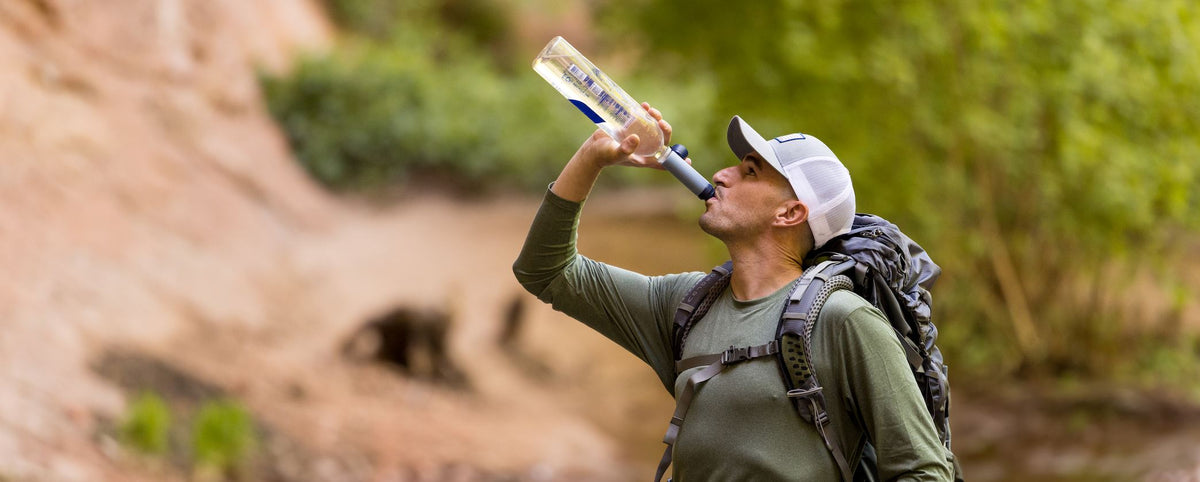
pixel 151 213
pixel 132 132
pixel 142 187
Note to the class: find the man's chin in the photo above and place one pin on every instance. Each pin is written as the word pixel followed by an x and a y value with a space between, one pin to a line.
pixel 707 226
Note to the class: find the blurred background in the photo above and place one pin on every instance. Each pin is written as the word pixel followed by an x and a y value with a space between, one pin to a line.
pixel 271 240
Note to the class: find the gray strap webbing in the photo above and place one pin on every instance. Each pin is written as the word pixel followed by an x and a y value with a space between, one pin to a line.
pixel 816 403
pixel 696 304
pixel 798 319
pixel 716 363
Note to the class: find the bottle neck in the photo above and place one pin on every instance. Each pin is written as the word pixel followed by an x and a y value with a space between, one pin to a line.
pixel 661 154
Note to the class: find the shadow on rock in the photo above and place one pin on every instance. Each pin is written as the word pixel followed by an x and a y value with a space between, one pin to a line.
pixel 410 340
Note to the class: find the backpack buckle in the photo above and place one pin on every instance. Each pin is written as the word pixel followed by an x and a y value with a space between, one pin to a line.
pixel 735 355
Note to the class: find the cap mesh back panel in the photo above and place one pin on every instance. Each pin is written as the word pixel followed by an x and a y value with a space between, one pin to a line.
pixel 828 180
pixel 841 215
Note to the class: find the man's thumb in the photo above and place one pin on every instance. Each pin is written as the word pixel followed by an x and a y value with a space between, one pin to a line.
pixel 629 144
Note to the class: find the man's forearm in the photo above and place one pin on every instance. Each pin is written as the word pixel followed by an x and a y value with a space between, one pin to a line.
pixel 575 181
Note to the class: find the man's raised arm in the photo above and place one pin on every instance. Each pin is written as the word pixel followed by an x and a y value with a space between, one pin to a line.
pixel 629 308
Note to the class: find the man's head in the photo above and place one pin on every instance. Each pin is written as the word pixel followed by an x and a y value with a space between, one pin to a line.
pixel 805 187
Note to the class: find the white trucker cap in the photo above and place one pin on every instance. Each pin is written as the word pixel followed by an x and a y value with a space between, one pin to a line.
pixel 819 179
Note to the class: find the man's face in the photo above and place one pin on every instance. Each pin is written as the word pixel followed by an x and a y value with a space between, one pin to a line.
pixel 748 196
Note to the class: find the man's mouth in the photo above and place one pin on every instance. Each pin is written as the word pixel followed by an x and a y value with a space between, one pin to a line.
pixel 712 200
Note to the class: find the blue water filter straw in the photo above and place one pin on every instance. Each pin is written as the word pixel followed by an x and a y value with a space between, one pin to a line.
pixel 614 111
pixel 674 163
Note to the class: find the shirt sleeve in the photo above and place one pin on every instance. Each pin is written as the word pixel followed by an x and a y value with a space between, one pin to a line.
pixel 629 308
pixel 886 400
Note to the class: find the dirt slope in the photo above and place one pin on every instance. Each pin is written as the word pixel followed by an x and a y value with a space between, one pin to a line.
pixel 142 185
pixel 150 209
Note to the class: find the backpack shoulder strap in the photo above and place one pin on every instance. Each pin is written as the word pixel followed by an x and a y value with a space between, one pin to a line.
pixel 795 340
pixel 696 303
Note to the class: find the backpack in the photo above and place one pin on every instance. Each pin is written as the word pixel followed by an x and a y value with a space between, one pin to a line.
pixel 876 261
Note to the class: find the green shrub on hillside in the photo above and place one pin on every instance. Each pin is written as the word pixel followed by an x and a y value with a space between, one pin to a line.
pixel 436 87
pixel 370 117
pixel 147 425
pixel 223 437
pixel 420 88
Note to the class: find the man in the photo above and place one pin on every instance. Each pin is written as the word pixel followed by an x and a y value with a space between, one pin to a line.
pixel 786 197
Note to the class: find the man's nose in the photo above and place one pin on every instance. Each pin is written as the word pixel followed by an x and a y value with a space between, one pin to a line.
pixel 723 176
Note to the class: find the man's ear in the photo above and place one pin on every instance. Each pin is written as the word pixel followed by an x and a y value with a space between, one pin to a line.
pixel 791 213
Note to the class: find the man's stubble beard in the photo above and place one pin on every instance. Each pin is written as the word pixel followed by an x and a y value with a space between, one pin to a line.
pixel 713 226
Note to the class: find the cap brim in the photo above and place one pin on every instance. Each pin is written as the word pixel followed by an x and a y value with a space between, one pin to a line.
pixel 744 140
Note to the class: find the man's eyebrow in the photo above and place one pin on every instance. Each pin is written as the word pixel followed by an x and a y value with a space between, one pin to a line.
pixel 754 159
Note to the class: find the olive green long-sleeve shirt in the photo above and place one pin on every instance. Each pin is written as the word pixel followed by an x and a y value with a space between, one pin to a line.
pixel 741 425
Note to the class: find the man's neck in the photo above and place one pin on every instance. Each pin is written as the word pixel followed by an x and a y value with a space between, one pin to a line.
pixel 759 271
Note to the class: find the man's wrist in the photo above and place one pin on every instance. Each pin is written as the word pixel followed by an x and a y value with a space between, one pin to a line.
pixel 555 199
pixel 575 181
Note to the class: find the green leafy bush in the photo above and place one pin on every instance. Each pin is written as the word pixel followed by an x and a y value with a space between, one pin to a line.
pixel 434 89
pixel 223 436
pixel 147 425
pixel 376 114
pixel 418 88
pixel 1042 154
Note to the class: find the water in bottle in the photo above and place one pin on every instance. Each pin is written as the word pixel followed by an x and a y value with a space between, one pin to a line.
pixel 613 110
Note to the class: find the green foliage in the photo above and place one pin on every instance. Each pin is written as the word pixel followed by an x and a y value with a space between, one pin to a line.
pixel 374 18
pixel 223 436
pixel 482 22
pixel 223 433
pixel 378 113
pixel 423 88
pixel 438 88
pixel 147 425
pixel 1037 149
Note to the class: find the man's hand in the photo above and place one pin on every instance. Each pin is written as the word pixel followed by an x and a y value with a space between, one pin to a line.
pixel 600 151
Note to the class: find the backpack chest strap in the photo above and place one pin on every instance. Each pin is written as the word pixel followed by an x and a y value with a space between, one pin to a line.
pixel 728 357
pixel 714 364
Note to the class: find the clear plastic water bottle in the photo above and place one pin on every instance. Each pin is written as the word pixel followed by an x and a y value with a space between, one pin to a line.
pixel 614 111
